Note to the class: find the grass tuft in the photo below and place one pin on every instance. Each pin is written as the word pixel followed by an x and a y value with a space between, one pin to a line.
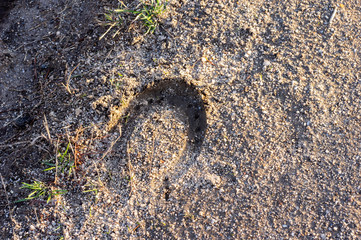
pixel 39 190
pixel 148 13
pixel 64 162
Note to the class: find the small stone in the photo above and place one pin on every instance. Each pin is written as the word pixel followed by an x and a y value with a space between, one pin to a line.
pixel 248 54
pixel 24 120
pixel 266 63
pixel 161 38
pixel 77 112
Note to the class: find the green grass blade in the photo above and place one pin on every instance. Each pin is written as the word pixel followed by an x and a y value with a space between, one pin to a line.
pixel 48 169
pixel 31 194
pixel 66 151
pixel 21 200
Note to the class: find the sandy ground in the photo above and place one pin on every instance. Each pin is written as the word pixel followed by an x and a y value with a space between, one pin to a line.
pixel 234 120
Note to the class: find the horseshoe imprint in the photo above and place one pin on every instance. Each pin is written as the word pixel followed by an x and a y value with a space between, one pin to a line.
pixel 179 94
pixel 176 145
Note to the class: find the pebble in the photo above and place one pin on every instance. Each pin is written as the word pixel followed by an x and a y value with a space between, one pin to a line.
pixel 248 54
pixel 266 63
pixel 77 112
pixel 233 116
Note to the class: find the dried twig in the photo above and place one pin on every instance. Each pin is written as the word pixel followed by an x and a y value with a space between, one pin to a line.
pixel 110 148
pixel 56 162
pixel 136 228
pixel 7 200
pixel 47 128
pixel 13 144
pixel 22 142
pixel 67 86
pixel 332 16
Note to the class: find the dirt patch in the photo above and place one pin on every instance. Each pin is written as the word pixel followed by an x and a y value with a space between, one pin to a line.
pixel 233 120
pixel 161 138
pixel 5 7
pixel 177 94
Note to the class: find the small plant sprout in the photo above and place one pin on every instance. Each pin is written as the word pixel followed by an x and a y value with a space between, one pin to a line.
pixel 129 178
pixel 115 80
pixel 40 190
pixel 91 188
pixel 64 163
pixel 148 13
pixel 111 20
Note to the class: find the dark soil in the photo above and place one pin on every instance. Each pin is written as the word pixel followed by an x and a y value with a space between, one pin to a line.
pixel 5 7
